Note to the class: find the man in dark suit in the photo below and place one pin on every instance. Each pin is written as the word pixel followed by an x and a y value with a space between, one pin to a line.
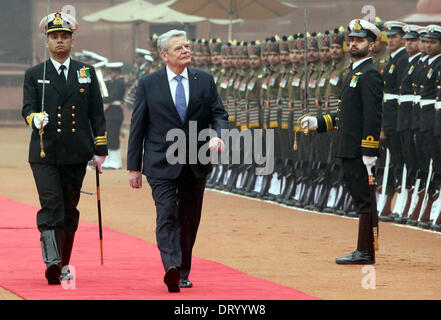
pixel 174 98
pixel 359 121
pixel 65 136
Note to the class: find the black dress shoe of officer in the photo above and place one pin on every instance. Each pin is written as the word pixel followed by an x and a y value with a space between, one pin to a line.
pixel 52 273
pixel 185 283
pixel 401 220
pixel 172 279
pixel 357 257
pixel 436 227
pixel 389 218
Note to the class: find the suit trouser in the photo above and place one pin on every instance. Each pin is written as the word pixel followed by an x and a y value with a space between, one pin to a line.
pixel 178 213
pixel 59 189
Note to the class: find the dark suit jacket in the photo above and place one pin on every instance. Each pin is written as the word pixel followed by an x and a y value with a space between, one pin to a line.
pixel 155 114
pixel 75 112
pixel 359 116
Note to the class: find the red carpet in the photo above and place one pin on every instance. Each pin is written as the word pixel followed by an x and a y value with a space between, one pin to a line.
pixel 132 267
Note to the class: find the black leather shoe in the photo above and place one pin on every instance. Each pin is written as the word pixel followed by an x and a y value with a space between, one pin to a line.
pixel 172 279
pixel 66 275
pixel 357 257
pixel 185 283
pixel 52 273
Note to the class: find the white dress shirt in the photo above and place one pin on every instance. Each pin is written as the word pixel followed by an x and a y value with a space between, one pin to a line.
pixel 356 64
pixel 57 66
pixel 173 83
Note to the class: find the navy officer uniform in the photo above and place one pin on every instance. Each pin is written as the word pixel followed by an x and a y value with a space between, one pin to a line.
pixel 74 132
pixel 358 120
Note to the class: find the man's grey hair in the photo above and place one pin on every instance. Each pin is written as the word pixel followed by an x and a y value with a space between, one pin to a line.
pixel 163 38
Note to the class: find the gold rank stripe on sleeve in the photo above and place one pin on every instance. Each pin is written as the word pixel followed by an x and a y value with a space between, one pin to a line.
pixel 30 119
pixel 328 121
pixel 101 140
pixel 370 142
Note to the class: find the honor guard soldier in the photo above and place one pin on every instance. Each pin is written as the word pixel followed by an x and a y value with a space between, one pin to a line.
pixel 359 123
pixel 434 37
pixel 404 122
pixel 325 66
pixel 392 76
pixel 313 70
pixel 339 69
pixel 419 73
pixel 216 58
pixel 152 46
pixel 429 116
pixel 116 87
pixel 381 56
pixel 69 132
pixel 296 91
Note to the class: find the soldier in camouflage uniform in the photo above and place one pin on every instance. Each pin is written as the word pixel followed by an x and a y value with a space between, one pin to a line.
pixel 216 58
pixel 339 69
pixel 381 56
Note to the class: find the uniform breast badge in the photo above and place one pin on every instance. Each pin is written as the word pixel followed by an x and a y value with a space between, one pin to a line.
pixel 354 80
pixel 392 68
pixel 84 75
pixel 429 73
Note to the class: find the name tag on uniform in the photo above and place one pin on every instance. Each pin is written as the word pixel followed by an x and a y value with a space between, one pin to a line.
pixel 43 81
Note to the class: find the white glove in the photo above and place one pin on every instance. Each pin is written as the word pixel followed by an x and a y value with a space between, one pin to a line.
pixel 216 145
pixel 369 162
pixel 41 120
pixel 309 122
pixel 98 161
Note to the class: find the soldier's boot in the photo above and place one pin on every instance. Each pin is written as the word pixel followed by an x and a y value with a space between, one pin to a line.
pixel 365 253
pixel 51 256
